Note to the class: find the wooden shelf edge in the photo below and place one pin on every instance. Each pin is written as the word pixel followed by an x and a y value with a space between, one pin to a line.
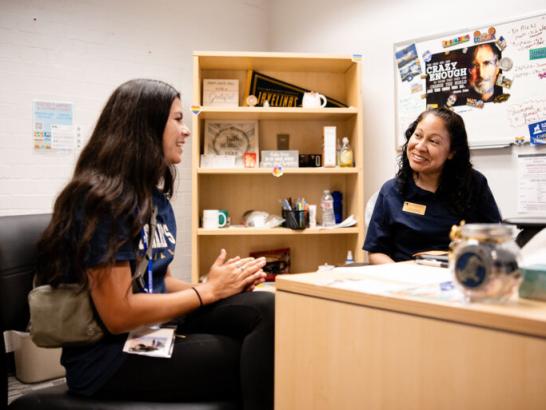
pixel 288 113
pixel 276 231
pixel 268 171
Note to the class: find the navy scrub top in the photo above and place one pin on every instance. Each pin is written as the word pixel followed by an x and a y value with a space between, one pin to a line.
pixel 400 234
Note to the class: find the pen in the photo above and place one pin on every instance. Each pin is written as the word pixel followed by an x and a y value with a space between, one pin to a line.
pixel 429 262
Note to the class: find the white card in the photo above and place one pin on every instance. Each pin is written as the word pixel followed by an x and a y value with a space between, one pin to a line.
pixel 149 341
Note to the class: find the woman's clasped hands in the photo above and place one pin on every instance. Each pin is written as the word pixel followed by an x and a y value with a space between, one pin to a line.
pixel 233 276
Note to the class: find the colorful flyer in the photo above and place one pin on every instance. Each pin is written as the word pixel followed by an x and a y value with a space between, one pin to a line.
pixel 53 125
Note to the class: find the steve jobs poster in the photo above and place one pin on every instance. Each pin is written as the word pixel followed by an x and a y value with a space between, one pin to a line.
pixel 467 76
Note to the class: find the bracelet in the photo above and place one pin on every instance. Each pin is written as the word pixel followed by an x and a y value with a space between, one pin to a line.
pixel 199 296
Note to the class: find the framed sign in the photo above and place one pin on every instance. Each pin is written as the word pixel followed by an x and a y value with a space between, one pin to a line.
pixel 221 93
pixel 494 76
pixel 224 137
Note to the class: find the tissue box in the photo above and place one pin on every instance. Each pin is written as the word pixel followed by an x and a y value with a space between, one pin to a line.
pixel 534 282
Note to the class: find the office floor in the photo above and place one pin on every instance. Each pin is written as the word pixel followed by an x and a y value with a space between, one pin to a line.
pixel 17 389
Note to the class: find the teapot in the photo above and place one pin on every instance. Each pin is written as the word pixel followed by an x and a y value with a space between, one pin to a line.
pixel 313 99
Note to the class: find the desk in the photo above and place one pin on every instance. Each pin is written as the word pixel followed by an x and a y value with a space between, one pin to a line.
pixel 344 349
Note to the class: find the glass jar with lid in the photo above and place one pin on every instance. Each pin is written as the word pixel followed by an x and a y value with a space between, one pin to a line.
pixel 485 262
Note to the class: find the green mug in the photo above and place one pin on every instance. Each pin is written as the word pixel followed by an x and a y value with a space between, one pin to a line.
pixel 223 216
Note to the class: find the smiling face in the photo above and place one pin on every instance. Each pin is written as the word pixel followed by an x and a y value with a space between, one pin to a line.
pixel 484 71
pixel 175 134
pixel 429 147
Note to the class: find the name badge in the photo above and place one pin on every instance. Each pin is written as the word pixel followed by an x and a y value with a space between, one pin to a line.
pixel 414 208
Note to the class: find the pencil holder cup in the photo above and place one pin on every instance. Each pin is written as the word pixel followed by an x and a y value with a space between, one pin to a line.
pixel 295 219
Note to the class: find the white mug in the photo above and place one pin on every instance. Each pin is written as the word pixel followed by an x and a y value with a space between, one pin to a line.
pixel 214 219
pixel 313 100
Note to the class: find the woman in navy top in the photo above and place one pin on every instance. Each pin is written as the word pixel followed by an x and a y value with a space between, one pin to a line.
pixel 434 189
pixel 99 233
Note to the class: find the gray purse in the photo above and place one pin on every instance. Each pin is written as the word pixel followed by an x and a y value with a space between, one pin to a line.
pixel 65 316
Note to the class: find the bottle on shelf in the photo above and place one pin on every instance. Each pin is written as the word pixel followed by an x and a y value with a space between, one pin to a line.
pixel 327 207
pixel 338 206
pixel 349 259
pixel 338 152
pixel 346 154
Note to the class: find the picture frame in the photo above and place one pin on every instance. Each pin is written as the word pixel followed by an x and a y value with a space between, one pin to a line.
pixel 226 137
pixel 221 92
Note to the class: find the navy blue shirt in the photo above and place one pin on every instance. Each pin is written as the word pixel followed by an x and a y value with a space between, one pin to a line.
pixel 400 234
pixel 89 367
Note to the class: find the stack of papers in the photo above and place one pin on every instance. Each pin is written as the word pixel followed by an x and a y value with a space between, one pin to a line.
pixel 349 221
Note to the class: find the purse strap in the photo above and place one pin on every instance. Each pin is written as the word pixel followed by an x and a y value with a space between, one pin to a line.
pixel 142 265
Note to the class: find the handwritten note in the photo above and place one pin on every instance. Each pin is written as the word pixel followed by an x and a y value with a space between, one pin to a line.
pixel 532 69
pixel 526 113
pixel 529 34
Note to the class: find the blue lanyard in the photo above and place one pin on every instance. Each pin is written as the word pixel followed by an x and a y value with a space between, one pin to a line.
pixel 149 273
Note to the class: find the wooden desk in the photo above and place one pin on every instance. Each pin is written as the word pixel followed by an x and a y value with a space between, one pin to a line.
pixel 345 349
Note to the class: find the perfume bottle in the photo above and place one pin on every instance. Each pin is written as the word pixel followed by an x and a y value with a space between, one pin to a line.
pixel 346 154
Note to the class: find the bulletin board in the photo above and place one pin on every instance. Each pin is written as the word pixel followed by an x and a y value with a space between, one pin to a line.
pixel 494 76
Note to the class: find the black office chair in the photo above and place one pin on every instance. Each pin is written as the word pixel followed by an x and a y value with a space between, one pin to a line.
pixel 18 238
pixel 529 225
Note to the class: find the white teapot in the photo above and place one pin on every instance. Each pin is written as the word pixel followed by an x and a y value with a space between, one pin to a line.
pixel 313 99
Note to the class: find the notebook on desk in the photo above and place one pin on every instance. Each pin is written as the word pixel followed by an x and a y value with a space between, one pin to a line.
pixel 435 255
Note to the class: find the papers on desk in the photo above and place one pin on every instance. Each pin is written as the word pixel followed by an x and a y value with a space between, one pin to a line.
pixel 366 285
pixel 404 279
pixel 406 273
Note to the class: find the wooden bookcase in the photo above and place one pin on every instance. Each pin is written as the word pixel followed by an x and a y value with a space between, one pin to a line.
pixel 242 189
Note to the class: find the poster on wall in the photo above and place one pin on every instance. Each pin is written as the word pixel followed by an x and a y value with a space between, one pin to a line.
pixel 53 126
pixel 494 76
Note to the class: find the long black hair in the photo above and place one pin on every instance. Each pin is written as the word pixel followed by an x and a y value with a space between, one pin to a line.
pixel 114 178
pixel 456 178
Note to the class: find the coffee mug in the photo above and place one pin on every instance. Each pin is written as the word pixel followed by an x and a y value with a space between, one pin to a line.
pixel 225 214
pixel 213 219
pixel 313 100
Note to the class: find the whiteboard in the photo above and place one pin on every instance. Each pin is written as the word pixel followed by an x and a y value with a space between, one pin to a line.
pixel 452 70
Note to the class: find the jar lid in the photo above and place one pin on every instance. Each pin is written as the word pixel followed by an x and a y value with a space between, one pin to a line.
pixel 484 231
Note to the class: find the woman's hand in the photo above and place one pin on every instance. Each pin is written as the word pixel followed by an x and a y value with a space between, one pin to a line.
pixel 227 278
pixel 377 258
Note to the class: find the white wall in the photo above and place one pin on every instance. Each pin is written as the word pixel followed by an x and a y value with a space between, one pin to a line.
pixel 79 51
pixel 371 28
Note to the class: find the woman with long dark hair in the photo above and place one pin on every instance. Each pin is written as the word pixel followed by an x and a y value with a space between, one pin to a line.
pixel 435 188
pixel 98 235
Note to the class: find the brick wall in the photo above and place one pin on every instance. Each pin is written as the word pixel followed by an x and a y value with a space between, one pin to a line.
pixel 79 51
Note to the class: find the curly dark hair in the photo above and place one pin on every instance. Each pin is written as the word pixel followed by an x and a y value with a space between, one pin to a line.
pixel 456 182
pixel 114 178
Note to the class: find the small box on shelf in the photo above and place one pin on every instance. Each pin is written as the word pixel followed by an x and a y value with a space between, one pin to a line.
pixel 310 160
pixel 218 161
pixel 329 147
